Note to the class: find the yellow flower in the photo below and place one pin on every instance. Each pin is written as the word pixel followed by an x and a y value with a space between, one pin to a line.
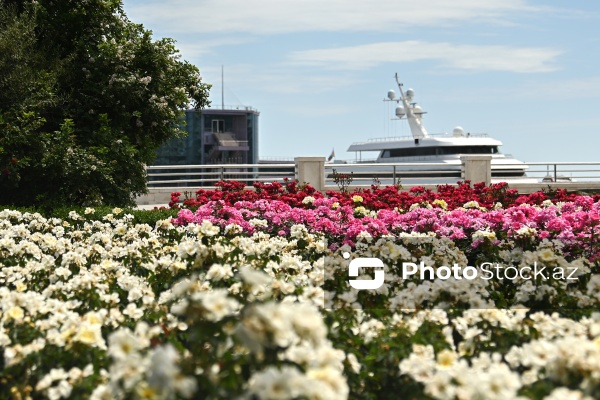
pixel 441 203
pixel 446 358
pixel 16 313
pixel 360 210
pixel 357 199
pixel 93 318
pixel 146 392
pixel 89 334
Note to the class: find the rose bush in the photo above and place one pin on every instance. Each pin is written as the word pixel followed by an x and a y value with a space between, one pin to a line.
pixel 248 297
pixel 376 198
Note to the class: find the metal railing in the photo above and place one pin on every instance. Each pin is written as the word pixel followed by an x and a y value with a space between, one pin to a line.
pixel 367 174
pixel 363 174
pixel 564 171
pixel 410 137
pixel 164 179
pixel 230 107
pixel 187 176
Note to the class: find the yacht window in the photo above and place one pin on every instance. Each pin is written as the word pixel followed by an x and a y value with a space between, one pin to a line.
pixel 433 151
pixel 468 150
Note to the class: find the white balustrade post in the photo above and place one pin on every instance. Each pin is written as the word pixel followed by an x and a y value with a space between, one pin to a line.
pixel 477 168
pixel 311 170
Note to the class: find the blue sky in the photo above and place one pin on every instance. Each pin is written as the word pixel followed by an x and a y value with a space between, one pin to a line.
pixel 525 72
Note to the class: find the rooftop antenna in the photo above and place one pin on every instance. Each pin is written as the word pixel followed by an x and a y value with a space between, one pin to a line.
pixel 222 89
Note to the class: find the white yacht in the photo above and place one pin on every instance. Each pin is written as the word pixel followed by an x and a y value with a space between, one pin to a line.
pixel 429 158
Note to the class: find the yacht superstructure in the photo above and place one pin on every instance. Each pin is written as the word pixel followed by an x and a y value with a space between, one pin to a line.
pixel 443 150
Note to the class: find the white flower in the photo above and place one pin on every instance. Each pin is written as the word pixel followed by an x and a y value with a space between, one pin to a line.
pixel 163 372
pixel 109 265
pixel 308 200
pixel 102 392
pixel 308 323
pixel 217 304
pixel 74 216
pixel 258 222
pixel 484 234
pixel 354 364
pixel 219 272
pixel 62 272
pixel 471 204
pixel 233 229
pixel 272 383
pixel 208 229
pixel 563 393
pixel 333 380
pixel 16 313
pixel 256 280
pixel 446 358
pixel 364 235
pixel 133 311
pixel 298 231
pixel 526 231
pixel 90 334
pixel 123 343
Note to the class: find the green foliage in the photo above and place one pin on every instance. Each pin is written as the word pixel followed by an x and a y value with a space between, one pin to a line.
pixel 86 97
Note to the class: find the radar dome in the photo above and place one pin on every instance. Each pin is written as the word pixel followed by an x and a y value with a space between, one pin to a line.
pixel 417 109
pixel 410 93
pixel 458 132
pixel 391 95
pixel 400 111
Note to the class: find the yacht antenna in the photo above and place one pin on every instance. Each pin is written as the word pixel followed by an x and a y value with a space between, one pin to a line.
pixel 413 114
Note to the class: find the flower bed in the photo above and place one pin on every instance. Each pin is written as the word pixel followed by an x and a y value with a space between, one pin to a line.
pixel 247 296
pixel 376 198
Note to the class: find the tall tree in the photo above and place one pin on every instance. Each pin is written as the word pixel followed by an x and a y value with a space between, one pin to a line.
pixel 86 98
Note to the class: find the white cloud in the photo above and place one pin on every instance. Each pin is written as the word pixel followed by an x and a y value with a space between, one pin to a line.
pixel 203 47
pixel 290 82
pixel 563 90
pixel 277 79
pixel 286 16
pixel 467 57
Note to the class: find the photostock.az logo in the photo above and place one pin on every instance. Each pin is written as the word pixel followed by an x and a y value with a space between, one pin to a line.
pixel 365 262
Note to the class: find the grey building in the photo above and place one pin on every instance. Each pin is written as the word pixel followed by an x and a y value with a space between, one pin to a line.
pixel 215 136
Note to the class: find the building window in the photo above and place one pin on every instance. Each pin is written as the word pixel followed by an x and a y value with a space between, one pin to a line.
pixel 218 125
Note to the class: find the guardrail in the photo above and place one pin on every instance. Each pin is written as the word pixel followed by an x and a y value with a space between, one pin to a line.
pixel 367 174
pixel 164 179
pixel 190 176
pixel 564 171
